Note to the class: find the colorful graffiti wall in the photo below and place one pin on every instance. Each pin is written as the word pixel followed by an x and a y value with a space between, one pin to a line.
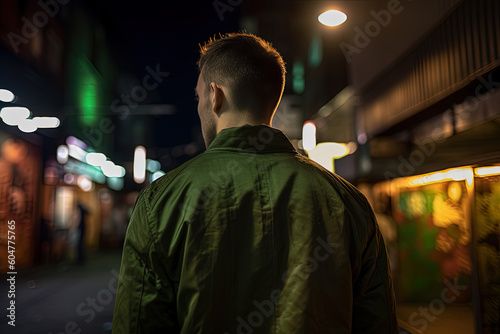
pixel 434 240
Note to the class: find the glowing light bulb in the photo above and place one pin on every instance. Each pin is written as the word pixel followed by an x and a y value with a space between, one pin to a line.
pixel 309 136
pixel 140 164
pixel 332 18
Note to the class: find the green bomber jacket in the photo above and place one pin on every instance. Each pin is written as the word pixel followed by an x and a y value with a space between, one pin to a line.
pixel 253 237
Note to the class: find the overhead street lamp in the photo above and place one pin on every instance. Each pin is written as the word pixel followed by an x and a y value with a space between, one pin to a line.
pixel 332 18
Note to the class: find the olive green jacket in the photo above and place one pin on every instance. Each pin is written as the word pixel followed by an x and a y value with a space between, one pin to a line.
pixel 253 237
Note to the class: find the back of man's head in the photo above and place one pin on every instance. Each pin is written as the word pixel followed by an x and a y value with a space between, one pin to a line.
pixel 249 67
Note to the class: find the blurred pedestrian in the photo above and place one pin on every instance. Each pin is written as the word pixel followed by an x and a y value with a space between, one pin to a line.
pixel 250 236
pixel 81 214
pixel 45 240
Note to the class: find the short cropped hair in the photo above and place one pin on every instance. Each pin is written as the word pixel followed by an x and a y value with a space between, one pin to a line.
pixel 250 67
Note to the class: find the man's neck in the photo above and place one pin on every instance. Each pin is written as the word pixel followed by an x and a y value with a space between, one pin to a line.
pixel 240 119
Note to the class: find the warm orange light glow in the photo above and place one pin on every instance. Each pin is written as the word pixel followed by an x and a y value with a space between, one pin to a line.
pixel 487 171
pixel 324 153
pixel 332 18
pixel 455 174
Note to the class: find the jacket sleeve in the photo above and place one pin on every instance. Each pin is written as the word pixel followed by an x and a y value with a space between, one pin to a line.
pixel 374 301
pixel 145 300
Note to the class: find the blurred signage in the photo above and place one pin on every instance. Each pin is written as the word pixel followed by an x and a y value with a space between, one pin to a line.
pixel 65 205
pixel 79 168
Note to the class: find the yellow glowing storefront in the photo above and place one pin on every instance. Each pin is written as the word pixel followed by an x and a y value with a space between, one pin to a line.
pixel 442 231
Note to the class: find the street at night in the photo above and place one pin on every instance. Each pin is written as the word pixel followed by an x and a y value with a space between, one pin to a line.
pixel 261 166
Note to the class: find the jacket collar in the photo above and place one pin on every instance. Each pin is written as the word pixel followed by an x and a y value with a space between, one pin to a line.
pixel 252 139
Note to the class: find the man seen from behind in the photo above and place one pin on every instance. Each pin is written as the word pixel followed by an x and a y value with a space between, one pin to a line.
pixel 251 236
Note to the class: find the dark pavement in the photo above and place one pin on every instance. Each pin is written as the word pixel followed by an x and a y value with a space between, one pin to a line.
pixel 64 298
pixel 68 298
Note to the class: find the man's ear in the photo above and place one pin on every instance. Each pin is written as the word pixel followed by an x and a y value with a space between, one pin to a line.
pixel 217 98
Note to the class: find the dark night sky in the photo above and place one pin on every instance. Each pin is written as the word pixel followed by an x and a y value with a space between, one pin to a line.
pixel 167 33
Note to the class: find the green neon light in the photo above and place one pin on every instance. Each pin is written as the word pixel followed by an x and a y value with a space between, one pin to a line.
pixel 298 82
